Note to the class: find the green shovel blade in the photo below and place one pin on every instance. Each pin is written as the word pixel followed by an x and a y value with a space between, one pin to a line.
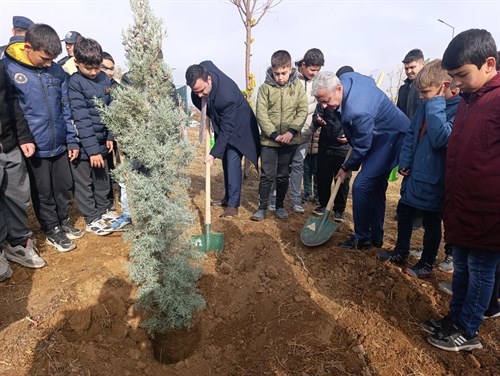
pixel 208 242
pixel 317 231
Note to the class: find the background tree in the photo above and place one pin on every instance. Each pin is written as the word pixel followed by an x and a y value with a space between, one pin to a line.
pixel 147 122
pixel 251 12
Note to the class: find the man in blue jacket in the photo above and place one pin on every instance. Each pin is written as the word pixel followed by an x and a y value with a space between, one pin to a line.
pixel 42 89
pixel 234 123
pixel 375 128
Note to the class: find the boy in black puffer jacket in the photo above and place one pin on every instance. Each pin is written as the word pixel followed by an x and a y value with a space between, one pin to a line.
pixel 90 170
pixel 333 148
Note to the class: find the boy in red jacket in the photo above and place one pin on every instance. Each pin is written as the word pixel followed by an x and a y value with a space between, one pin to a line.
pixel 472 178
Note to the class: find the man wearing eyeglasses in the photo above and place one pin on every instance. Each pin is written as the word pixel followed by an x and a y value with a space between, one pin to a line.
pixel 375 128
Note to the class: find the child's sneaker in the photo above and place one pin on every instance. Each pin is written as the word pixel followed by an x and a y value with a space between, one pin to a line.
pixel 338 217
pixel 26 256
pixel 298 209
pixel 447 265
pixel 57 237
pixel 99 227
pixel 397 257
pixel 281 213
pixel 259 215
pixel 110 216
pixel 436 326
pixel 320 210
pixel 5 270
pixel 122 222
pixel 455 339
pixel 416 253
pixel 306 197
pixel 71 231
pixel 419 270
pixel 271 207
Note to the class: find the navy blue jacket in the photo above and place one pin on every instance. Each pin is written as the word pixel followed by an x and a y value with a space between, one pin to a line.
pixel 374 126
pixel 13 126
pixel 425 157
pixel 232 117
pixel 92 132
pixel 43 98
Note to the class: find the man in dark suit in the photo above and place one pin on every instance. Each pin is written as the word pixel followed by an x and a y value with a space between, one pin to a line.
pixel 234 123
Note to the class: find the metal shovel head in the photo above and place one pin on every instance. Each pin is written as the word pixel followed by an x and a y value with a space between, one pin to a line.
pixel 208 242
pixel 318 230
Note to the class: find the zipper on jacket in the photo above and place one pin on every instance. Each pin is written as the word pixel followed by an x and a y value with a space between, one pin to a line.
pixel 51 122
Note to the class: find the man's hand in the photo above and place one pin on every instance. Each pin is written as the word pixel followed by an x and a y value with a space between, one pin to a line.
pixel 343 175
pixel 210 159
pixel 96 161
pixel 73 154
pixel 404 171
pixel 109 146
pixel 28 149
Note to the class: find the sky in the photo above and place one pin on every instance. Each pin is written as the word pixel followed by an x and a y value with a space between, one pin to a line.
pixel 370 35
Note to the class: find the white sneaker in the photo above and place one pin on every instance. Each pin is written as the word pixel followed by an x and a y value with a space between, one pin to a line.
pixel 26 256
pixel 447 264
pixel 298 209
pixel 416 253
pixel 99 227
pixel 110 216
pixel 5 270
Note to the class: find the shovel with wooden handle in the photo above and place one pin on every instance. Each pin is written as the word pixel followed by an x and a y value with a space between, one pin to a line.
pixel 208 242
pixel 317 231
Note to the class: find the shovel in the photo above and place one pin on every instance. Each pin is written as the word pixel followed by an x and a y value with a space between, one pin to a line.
pixel 208 242
pixel 317 231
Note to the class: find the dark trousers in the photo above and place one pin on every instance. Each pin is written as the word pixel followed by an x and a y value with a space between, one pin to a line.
pixel 431 222
pixel 51 189
pixel 329 162
pixel 275 164
pixel 14 198
pixel 310 176
pixel 368 205
pixel 231 165
pixel 91 189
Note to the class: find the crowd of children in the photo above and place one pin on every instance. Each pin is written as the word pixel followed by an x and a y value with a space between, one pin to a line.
pixel 59 130
pixel 54 145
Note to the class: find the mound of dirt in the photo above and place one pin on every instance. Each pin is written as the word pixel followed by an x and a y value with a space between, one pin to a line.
pixel 274 306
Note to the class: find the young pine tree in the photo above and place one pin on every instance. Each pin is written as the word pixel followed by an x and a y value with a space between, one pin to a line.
pixel 147 122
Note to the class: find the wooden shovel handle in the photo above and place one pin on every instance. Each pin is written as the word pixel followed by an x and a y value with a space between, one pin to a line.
pixel 208 213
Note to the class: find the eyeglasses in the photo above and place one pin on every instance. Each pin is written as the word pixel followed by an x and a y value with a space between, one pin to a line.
pixel 107 68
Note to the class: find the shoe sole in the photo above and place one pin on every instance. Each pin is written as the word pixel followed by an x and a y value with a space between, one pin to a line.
pixel 456 349
pixel 61 248
pixel 22 262
pixel 73 237
pixel 448 271
pixel 256 219
pixel 100 232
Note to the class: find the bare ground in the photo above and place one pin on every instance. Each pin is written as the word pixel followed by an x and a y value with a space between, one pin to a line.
pixel 274 306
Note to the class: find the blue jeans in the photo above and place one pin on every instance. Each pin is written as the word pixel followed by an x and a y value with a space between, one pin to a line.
pixel 473 282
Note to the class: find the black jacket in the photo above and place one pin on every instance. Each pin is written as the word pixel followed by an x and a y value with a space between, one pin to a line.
pixel 14 128
pixel 332 130
pixel 92 132
pixel 232 117
pixel 408 98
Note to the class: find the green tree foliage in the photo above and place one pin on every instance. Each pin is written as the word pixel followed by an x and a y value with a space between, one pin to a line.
pixel 147 123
